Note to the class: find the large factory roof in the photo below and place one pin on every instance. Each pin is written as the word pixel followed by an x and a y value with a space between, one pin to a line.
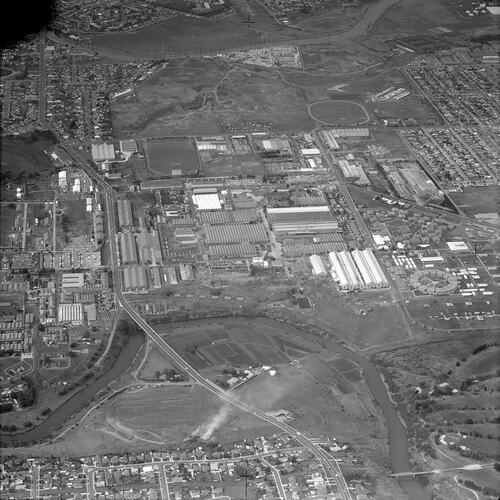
pixel 70 313
pixel 72 280
pixel 236 233
pixel 286 210
pixel 209 201
pixel 124 213
pixel 318 267
pixel 358 269
pixel 369 268
pixel 303 227
pixel 134 278
pixel 102 152
pixel 128 248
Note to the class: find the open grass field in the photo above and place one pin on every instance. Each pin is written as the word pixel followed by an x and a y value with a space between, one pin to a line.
pixel 169 414
pixel 315 394
pixel 338 59
pixel 172 412
pixel 338 113
pixel 165 156
pixel 364 320
pixel 7 219
pixel 234 342
pixel 23 156
pixel 155 361
pixel 330 20
pixel 201 97
pixel 185 35
pixel 478 200
pixel 483 363
pixel 410 17
pixel 230 165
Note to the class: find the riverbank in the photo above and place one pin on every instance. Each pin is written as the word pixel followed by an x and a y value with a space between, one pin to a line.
pixel 398 439
pixel 45 430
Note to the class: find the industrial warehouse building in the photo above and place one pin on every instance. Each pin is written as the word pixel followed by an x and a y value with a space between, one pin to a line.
pixel 134 278
pixel 297 214
pixel 230 216
pixel 70 313
pixel 72 280
pixel 344 271
pixel 208 201
pixel 318 268
pixel 128 147
pixel 350 132
pixel 330 140
pixel 128 249
pixel 236 233
pixel 356 270
pixel 302 220
pixel 370 269
pixel 325 226
pixel 353 172
pixel 232 250
pixel 124 213
pixel 103 152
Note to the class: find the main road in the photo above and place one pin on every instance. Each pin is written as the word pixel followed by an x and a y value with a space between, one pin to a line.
pixel 329 463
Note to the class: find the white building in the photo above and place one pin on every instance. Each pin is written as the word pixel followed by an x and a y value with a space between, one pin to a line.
pixel 370 269
pixel 70 313
pixel 103 152
pixel 128 147
pixel 318 268
pixel 62 180
pixel 208 201
pixel 344 271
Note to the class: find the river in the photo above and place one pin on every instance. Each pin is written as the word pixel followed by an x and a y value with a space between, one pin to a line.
pixel 398 438
pixel 76 402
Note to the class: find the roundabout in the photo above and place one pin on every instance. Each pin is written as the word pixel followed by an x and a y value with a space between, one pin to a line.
pixel 338 113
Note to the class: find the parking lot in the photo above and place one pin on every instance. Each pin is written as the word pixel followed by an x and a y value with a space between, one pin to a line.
pixel 457 312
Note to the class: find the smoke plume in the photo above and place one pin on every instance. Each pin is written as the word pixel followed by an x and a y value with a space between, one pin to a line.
pixel 205 430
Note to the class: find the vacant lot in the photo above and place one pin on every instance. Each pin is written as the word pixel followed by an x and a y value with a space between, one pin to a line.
pixel 478 200
pixel 143 413
pixel 165 157
pixel 23 156
pixel 233 342
pixel 230 165
pixel 182 35
pixel 201 97
pixel 7 220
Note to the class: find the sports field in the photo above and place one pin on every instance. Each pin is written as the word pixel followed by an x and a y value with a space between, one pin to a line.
pixel 167 157
pixel 338 113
